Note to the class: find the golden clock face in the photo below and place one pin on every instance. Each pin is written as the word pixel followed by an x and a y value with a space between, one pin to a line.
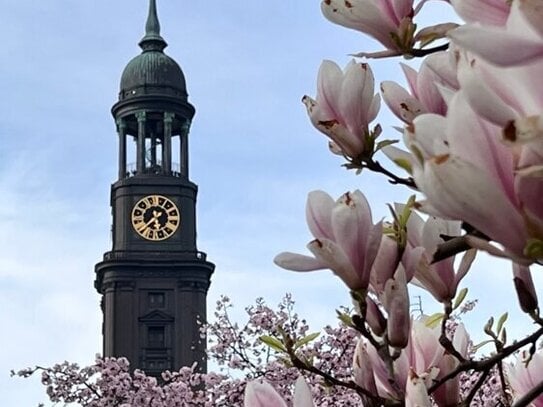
pixel 155 217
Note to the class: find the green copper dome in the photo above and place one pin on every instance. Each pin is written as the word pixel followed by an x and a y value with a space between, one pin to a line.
pixel 152 72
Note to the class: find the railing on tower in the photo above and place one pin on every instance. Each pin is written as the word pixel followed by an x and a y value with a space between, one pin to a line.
pixel 156 169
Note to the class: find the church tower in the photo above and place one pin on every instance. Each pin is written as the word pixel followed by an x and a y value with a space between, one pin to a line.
pixel 154 281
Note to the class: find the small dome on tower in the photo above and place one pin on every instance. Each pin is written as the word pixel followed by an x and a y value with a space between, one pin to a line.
pixel 152 72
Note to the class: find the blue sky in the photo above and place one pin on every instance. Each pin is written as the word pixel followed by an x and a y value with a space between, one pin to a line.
pixel 254 156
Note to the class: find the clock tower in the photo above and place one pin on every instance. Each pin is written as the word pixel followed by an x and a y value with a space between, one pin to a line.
pixel 154 281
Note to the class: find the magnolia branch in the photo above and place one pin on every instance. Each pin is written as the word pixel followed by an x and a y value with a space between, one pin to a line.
pixel 482 365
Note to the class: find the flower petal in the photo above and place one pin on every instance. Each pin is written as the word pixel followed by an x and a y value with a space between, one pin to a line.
pixel 298 262
pixel 262 394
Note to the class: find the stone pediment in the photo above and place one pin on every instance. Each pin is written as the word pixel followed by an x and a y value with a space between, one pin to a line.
pixel 156 316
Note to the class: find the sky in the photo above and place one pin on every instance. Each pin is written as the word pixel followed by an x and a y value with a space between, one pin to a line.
pixel 254 155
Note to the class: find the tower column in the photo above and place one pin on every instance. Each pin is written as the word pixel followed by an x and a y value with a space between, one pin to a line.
pixel 184 153
pixel 167 144
pixel 153 151
pixel 140 161
pixel 121 129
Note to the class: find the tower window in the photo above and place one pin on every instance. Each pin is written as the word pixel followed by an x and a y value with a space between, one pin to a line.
pixel 156 337
pixel 157 300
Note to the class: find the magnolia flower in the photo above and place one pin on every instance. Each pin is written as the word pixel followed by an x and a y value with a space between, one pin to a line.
pixel 520 40
pixel 346 240
pixel 448 394
pixel 437 74
pixel 492 12
pixel 362 368
pixel 396 302
pixel 467 174
pixel 262 394
pixel 416 393
pixel 523 378
pixel 440 278
pixel 344 106
pixel 424 357
pixel 388 21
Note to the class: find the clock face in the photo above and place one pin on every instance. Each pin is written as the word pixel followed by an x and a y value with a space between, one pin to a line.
pixel 155 217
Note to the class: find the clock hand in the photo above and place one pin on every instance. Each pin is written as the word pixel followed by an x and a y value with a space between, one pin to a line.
pixel 146 225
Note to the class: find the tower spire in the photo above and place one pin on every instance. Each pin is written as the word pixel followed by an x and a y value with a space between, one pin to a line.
pixel 152 41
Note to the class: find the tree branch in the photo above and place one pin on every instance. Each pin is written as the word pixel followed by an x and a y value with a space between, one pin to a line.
pixel 485 364
pixel 530 396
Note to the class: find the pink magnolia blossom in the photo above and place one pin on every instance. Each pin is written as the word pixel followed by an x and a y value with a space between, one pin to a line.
pixel 440 279
pixel 523 378
pixel 416 393
pixel 362 367
pixel 437 74
pixel 424 356
pixel 262 394
pixel 463 168
pixel 388 21
pixel 492 12
pixel 520 40
pixel 344 106
pixel 346 240
pixel 396 302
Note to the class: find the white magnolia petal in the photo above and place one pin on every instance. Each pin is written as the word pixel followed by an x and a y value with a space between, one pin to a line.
pixel 371 249
pixel 460 190
pixel 411 76
pixel 428 135
pixel 298 262
pixel 493 12
pixel 416 394
pixel 336 260
pixel 532 12
pixel 402 104
pixel 302 394
pixel 433 230
pixel 374 108
pixel 328 88
pixel 513 49
pixel 465 265
pixel 477 141
pixel 482 98
pixel 262 394
pixel 351 223
pixel 360 15
pixel 318 209
pixel 461 340
pixel 399 157
pixel 356 96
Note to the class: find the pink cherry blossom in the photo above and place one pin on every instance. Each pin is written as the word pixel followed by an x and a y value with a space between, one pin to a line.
pixel 346 240
pixel 344 106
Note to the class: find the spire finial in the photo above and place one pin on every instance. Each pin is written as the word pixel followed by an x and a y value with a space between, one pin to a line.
pixel 152 39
